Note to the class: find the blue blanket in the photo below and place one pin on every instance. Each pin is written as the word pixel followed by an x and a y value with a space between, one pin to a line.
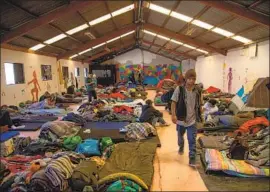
pixel 8 135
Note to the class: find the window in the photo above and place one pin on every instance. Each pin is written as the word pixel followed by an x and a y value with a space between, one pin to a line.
pixel 102 73
pixel 65 72
pixel 77 72
pixel 46 72
pixel 85 72
pixel 14 73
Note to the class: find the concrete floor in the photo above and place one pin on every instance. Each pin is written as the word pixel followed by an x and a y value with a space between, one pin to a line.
pixel 172 172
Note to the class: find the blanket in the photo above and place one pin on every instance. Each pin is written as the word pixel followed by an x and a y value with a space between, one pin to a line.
pixel 133 157
pixel 218 161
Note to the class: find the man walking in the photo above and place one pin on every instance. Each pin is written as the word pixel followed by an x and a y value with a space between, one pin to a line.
pixel 186 112
pixel 90 86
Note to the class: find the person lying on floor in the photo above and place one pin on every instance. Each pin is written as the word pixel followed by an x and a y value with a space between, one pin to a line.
pixel 48 103
pixel 209 108
pixel 5 120
pixel 151 115
pixel 46 95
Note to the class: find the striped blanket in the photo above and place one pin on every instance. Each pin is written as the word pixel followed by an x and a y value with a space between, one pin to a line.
pixel 218 161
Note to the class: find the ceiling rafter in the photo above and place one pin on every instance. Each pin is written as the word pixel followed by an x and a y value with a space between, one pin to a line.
pixel 145 16
pixel 205 9
pixel 175 52
pixel 45 19
pixel 166 21
pixel 227 20
pixel 49 45
pixel 87 22
pixel 112 18
pixel 36 17
pixel 239 11
pixel 104 52
pixel 97 41
pixel 183 38
pixel 256 3
pixel 240 32
pixel 160 54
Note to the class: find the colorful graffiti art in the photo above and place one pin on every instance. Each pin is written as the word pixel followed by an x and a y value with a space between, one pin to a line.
pixel 152 73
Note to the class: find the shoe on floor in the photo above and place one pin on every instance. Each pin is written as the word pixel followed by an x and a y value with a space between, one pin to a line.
pixel 181 151
pixel 192 163
pixel 17 127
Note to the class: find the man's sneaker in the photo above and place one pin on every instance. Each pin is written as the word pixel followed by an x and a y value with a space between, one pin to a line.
pixel 192 163
pixel 181 151
pixel 18 127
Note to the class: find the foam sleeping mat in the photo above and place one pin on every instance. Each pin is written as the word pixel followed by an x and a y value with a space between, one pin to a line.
pixel 34 119
pixel 29 127
pixel 114 134
pixel 8 135
pixel 220 128
pixel 105 125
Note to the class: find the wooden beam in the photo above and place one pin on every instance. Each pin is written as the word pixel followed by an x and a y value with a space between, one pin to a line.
pixel 97 41
pixel 175 52
pixel 183 38
pixel 87 22
pixel 239 33
pixel 239 11
pixel 26 50
pixel 39 41
pixel 160 54
pixel 166 21
pixel 256 3
pixel 186 25
pixel 114 49
pixel 45 19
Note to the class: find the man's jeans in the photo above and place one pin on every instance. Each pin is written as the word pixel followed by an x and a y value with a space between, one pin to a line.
pixel 191 136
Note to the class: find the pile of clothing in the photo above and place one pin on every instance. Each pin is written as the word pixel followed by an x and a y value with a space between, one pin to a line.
pixel 247 148
pixel 140 131
pixel 54 130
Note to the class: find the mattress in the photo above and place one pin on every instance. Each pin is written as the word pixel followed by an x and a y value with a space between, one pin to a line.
pixel 212 142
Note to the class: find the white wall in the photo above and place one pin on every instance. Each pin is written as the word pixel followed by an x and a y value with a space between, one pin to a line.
pixel 71 68
pixel 211 70
pixel 14 94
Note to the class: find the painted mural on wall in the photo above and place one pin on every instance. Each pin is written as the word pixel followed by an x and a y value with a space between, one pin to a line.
pixel 152 73
pixel 36 89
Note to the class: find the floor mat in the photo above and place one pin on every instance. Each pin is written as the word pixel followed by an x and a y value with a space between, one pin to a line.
pixel 35 119
pixel 29 127
pixel 8 135
pixel 220 181
pixel 105 125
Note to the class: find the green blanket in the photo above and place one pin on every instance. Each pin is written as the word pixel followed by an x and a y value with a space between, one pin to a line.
pixel 133 157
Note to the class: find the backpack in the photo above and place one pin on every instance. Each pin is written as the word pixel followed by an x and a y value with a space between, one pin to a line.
pixel 238 150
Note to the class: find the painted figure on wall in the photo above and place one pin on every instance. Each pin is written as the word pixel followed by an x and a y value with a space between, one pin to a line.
pixel 230 78
pixel 36 88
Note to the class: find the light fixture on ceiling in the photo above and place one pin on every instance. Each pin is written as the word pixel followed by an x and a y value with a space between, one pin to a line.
pixel 149 32
pixel 90 35
pixel 222 32
pixel 98 45
pixel 36 47
pixel 202 24
pixel 100 19
pixel 114 39
pixel 176 42
pixel 71 57
pixel 203 51
pixel 77 29
pixel 242 39
pixel 85 51
pixel 56 38
pixel 180 16
pixel 159 9
pixel 189 46
pixel 163 37
pixel 123 10
pixel 128 33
